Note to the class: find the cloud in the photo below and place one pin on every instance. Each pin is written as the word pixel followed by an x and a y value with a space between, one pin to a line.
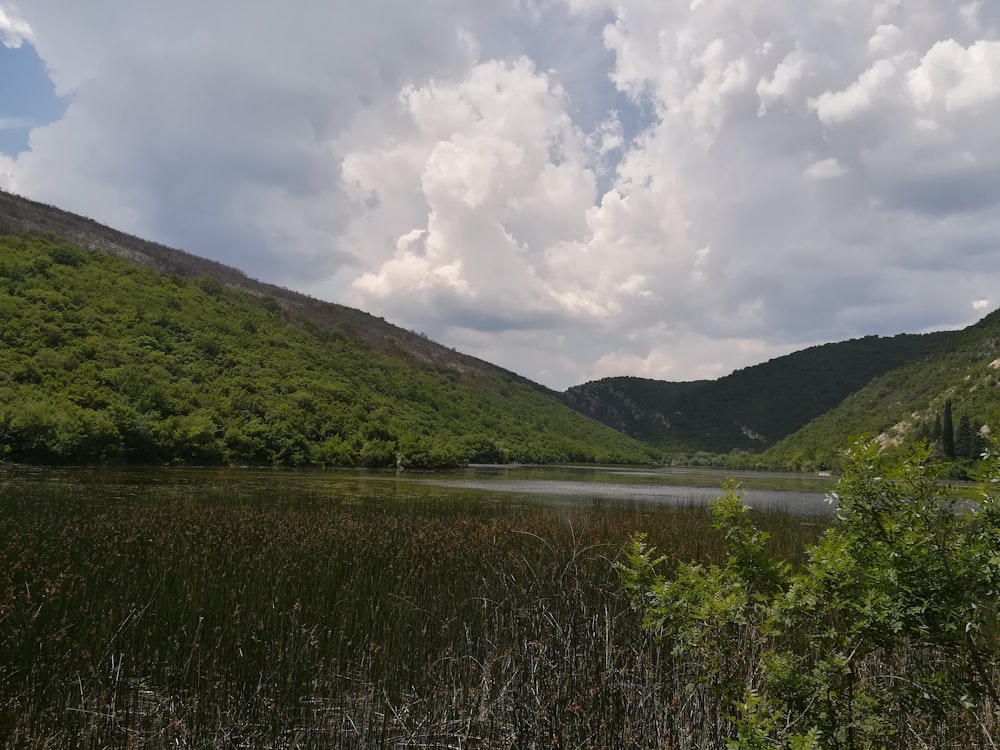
pixel 222 129
pixel 955 77
pixel 13 31
pixel 715 357
pixel 782 82
pixel 7 174
pixel 497 178
pixel 835 107
pixel 567 188
pixel 825 169
pixel 746 164
pixel 15 123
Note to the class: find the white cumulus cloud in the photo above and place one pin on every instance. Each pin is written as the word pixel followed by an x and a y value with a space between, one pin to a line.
pixel 957 77
pixel 835 107
pixel 495 175
pixel 7 174
pixel 13 30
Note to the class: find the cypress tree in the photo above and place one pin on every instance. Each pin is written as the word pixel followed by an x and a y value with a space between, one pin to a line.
pixel 964 443
pixel 947 432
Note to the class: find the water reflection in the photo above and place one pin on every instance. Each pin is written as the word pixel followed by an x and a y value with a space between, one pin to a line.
pixel 799 494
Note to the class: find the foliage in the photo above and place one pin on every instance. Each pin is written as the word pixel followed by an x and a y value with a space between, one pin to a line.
pixel 751 408
pixel 886 637
pixel 795 412
pixel 906 404
pixel 948 431
pixel 105 361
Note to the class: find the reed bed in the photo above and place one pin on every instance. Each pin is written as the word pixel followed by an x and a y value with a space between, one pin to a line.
pixel 348 615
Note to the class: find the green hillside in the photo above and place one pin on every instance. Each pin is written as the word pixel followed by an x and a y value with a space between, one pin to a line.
pixel 102 359
pixel 754 407
pixel 903 405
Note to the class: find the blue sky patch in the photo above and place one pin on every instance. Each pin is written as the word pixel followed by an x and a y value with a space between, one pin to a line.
pixel 28 99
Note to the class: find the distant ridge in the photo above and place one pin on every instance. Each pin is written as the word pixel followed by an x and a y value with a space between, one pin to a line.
pixel 901 406
pixel 755 407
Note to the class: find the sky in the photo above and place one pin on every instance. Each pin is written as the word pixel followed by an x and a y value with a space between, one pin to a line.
pixel 571 189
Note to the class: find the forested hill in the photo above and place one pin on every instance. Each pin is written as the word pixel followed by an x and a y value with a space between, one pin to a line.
pixel 19 215
pixel 752 408
pixel 907 404
pixel 102 359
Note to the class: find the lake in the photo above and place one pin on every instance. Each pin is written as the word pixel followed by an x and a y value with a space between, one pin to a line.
pixel 250 608
pixel 801 494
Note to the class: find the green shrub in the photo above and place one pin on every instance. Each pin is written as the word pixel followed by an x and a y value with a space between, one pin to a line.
pixel 885 638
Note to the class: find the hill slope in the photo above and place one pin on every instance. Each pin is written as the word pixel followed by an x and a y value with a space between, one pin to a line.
pixel 754 407
pixel 902 405
pixel 20 215
pixel 102 359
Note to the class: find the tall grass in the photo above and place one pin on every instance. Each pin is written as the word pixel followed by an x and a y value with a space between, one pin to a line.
pixel 256 614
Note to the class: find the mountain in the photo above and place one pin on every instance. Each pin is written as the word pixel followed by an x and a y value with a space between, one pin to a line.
pixel 752 408
pixel 902 405
pixel 117 349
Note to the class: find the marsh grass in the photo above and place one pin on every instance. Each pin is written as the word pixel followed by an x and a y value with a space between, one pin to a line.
pixel 256 614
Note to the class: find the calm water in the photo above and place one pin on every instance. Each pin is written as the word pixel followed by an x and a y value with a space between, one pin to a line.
pixel 575 486
pixel 795 493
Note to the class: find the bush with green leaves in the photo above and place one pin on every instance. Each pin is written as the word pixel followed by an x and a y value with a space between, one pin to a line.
pixel 886 636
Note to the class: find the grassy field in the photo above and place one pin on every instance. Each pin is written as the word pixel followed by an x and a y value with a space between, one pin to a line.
pixel 159 614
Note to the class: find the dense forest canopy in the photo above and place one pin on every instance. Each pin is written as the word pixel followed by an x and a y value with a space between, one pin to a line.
pixel 105 360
